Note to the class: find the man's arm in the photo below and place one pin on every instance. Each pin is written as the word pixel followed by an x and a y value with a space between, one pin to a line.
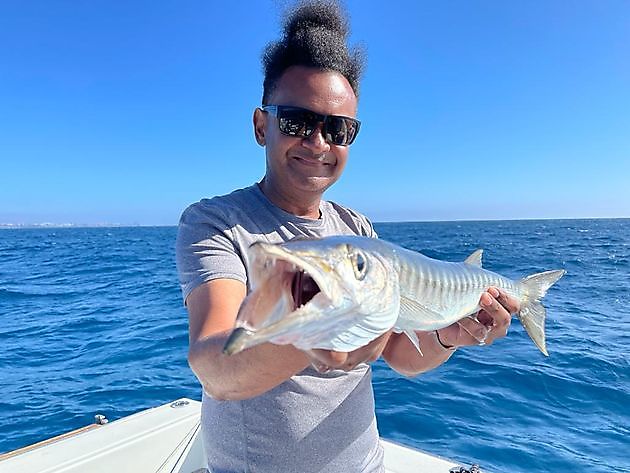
pixel 212 310
pixel 493 322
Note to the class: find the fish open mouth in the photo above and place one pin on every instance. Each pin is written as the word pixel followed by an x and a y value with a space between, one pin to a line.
pixel 282 286
pixel 303 288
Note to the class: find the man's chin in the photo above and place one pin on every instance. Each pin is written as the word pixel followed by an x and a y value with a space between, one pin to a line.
pixel 317 183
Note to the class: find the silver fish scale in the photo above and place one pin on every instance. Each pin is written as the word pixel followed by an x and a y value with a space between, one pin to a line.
pixel 449 289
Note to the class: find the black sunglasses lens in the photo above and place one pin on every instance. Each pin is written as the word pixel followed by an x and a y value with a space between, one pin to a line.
pixel 340 130
pixel 297 122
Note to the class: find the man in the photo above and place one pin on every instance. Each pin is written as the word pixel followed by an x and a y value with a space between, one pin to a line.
pixel 275 408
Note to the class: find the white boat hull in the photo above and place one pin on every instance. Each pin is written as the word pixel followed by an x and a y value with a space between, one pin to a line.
pixel 162 439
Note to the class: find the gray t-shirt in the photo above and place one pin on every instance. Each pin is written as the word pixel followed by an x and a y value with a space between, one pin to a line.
pixel 312 422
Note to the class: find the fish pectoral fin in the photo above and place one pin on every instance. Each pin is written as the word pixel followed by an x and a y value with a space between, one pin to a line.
pixel 475 258
pixel 480 334
pixel 410 309
pixel 413 337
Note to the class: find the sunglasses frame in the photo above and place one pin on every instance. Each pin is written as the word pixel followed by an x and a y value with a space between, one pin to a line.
pixel 276 111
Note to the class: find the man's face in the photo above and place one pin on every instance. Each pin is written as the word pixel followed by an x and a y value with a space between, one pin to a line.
pixel 309 164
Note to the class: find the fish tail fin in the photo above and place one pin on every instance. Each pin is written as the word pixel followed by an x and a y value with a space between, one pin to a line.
pixel 532 314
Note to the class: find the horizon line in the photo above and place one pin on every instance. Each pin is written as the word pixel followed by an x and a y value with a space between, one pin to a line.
pixel 9 225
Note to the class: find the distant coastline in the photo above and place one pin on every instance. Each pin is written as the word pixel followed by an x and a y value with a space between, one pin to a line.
pixel 70 225
pixel 378 222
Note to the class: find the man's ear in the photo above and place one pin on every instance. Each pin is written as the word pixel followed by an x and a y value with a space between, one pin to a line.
pixel 260 123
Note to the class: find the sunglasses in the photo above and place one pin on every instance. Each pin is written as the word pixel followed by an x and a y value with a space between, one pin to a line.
pixel 300 122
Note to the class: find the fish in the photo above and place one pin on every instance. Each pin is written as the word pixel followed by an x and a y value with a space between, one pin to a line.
pixel 341 292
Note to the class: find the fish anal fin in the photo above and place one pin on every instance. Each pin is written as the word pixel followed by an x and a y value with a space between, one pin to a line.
pixel 413 337
pixel 475 258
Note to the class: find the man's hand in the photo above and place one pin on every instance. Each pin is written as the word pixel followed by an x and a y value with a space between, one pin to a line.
pixel 493 321
pixel 326 360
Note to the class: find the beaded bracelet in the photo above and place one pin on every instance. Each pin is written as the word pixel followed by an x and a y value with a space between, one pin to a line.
pixel 446 347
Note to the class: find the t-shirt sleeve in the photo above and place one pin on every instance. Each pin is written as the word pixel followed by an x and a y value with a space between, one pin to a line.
pixel 205 248
pixel 369 228
pixel 364 224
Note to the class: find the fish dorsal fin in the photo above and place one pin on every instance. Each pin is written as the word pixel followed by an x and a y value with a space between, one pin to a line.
pixel 475 258
pixel 410 309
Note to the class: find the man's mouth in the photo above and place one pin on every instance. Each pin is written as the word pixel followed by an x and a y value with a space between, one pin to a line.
pixel 313 161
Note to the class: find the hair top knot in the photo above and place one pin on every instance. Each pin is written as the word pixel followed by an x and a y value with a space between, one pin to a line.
pixel 326 15
pixel 314 35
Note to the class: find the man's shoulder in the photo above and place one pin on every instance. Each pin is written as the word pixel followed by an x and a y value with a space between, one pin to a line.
pixel 225 207
pixel 354 219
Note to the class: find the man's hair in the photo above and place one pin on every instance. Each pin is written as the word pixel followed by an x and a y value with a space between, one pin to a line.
pixel 313 35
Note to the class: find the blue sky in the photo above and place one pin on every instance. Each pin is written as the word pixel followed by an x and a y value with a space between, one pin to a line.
pixel 126 112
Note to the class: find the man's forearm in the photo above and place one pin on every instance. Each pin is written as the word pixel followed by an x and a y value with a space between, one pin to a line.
pixel 246 374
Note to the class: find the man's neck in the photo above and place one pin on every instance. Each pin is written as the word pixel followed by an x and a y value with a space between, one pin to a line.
pixel 302 206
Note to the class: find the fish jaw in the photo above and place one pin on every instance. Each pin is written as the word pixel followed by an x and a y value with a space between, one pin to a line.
pixel 270 311
pixel 285 331
pixel 273 312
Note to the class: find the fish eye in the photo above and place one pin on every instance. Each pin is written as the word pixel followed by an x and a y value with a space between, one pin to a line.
pixel 359 264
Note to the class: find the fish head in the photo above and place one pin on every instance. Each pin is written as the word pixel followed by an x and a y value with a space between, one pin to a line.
pixel 310 292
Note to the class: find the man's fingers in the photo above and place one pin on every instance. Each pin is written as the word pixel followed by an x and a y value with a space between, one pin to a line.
pixel 496 312
pixel 490 305
pixel 485 319
pixel 330 358
pixel 326 360
pixel 320 367
pixel 511 304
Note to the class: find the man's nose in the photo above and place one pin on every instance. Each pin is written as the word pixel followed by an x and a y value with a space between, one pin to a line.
pixel 316 141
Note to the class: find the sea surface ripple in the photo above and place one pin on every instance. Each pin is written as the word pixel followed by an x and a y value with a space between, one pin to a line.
pixel 91 321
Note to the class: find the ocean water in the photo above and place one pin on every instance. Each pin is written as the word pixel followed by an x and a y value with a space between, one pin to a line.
pixel 91 321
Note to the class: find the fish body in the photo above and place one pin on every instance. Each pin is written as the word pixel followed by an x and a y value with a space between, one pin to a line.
pixel 341 292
